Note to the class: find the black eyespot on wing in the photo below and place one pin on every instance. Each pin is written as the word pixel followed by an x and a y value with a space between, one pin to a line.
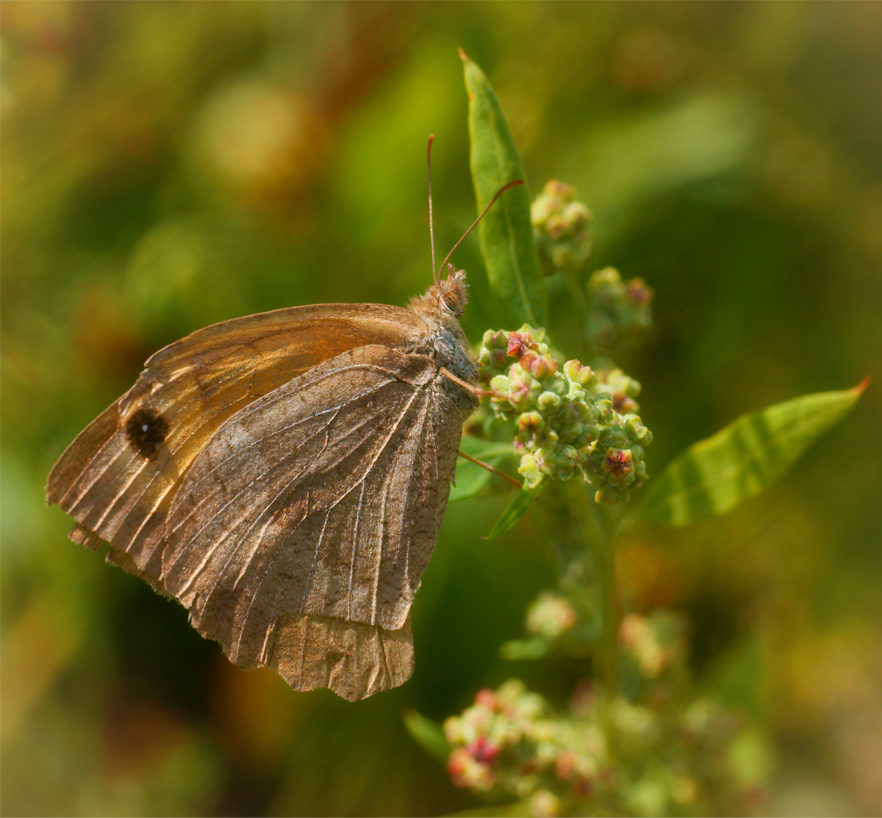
pixel 146 431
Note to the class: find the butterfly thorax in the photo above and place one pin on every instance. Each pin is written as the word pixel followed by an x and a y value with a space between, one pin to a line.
pixel 444 341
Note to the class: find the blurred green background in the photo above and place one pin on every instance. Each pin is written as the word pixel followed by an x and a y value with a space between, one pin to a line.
pixel 169 165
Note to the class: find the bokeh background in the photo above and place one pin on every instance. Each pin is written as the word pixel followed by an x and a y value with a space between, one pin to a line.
pixel 169 165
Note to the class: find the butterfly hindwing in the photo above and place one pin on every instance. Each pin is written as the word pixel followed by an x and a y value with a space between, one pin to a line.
pixel 350 658
pixel 323 498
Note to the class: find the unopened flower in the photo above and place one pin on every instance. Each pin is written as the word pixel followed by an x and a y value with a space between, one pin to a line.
pixel 561 229
pixel 567 423
pixel 616 308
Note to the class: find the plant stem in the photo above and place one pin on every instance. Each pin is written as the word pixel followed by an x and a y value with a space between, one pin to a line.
pixel 584 545
pixel 574 285
pixel 607 649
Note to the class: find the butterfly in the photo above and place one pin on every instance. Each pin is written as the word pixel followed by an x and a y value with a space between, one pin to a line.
pixel 284 477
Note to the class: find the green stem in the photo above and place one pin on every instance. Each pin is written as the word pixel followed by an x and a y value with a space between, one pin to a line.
pixel 574 285
pixel 607 649
pixel 584 542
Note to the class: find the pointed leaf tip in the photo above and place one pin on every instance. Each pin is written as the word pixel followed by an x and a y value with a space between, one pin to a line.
pixel 428 734
pixel 516 509
pixel 718 473
pixel 506 230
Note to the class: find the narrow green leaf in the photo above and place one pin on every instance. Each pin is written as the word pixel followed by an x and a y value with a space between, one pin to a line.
pixel 516 509
pixel 470 481
pixel 471 478
pixel 428 734
pixel 518 649
pixel 506 231
pixel 486 449
pixel 716 474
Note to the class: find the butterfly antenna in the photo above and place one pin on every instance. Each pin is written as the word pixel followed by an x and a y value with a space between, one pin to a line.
pixel 475 222
pixel 431 227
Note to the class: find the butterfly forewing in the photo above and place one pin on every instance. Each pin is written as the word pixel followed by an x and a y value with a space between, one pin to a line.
pixel 306 335
pixel 117 480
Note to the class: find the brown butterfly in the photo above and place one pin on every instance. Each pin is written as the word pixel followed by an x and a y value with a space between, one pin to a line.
pixel 284 477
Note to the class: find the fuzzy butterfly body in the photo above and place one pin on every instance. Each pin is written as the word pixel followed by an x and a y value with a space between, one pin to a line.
pixel 284 476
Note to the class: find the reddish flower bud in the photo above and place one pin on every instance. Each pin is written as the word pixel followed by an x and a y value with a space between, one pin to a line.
pixel 484 751
pixel 618 463
pixel 518 344
pixel 487 698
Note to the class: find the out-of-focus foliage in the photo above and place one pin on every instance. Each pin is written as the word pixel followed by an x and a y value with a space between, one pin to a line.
pixel 167 165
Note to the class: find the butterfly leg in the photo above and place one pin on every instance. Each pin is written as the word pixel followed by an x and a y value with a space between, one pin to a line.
pixel 469 387
pixel 478 393
pixel 490 468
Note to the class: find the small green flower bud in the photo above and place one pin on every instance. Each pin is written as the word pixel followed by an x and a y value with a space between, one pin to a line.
pixel 590 432
pixel 531 472
pixel 536 334
pixel 614 438
pixel 557 384
pixel 501 384
pixel 571 435
pixel 578 374
pixel 605 412
pixel 612 495
pixel 637 431
pixel 495 339
pixel 569 459
pixel 548 402
pixel 532 422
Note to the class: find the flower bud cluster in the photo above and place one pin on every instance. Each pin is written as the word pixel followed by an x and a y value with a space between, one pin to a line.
pixel 566 425
pixel 652 752
pixel 616 308
pixel 620 387
pixel 509 741
pixel 560 228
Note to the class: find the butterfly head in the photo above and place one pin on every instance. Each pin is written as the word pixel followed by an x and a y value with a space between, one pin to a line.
pixel 453 292
pixel 446 299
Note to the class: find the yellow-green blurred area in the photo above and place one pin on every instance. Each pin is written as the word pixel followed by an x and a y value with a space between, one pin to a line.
pixel 170 165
